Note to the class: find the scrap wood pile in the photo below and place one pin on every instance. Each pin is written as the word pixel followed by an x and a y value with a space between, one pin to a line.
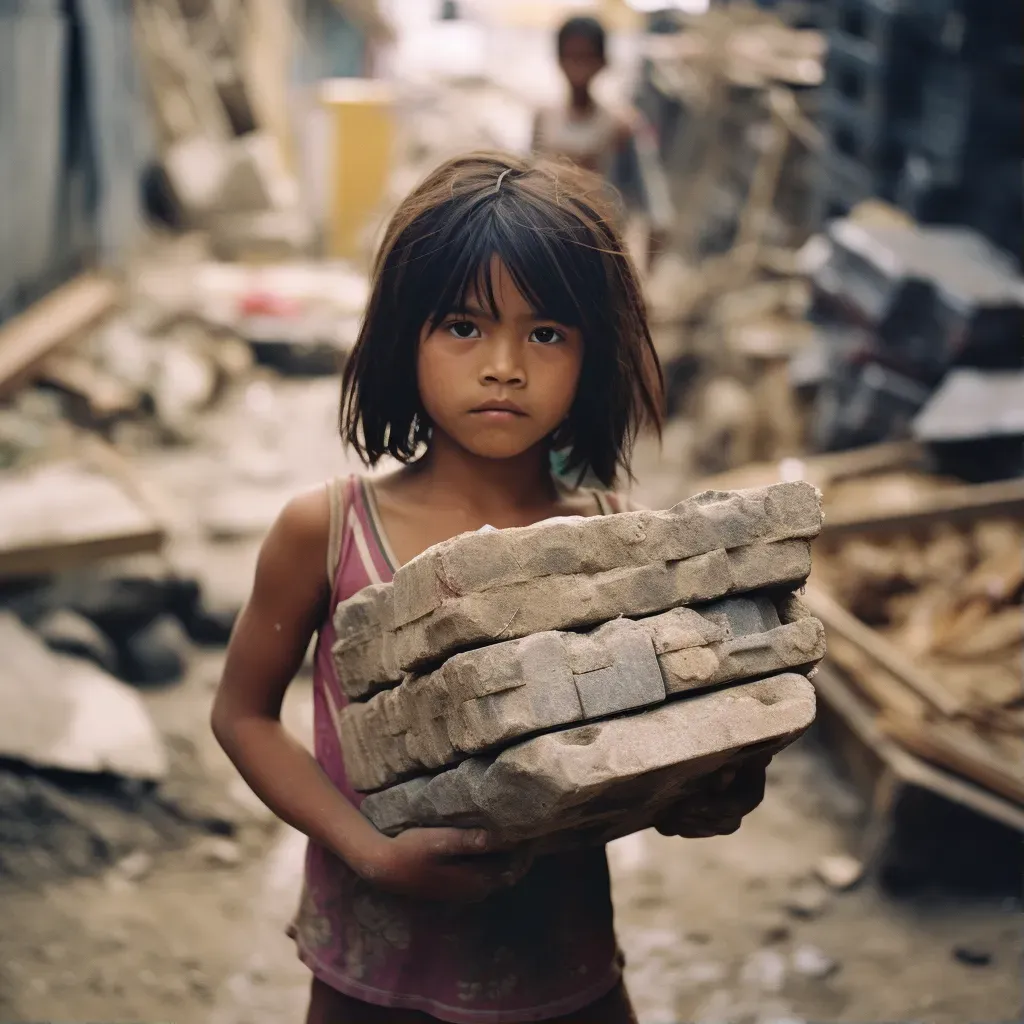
pixel 564 683
pixel 925 619
pixel 729 305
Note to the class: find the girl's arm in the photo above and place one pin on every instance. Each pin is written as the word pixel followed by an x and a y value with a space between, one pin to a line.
pixel 288 603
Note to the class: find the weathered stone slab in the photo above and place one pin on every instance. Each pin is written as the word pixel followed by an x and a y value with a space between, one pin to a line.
pixel 493 696
pixel 373 658
pixel 475 588
pixel 66 713
pixel 598 781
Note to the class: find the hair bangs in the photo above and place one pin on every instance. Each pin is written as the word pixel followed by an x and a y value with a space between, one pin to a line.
pixel 552 267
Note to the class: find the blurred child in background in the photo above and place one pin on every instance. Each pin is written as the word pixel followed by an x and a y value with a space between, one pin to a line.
pixel 620 146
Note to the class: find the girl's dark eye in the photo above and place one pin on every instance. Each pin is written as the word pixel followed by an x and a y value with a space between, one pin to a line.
pixel 464 329
pixel 546 335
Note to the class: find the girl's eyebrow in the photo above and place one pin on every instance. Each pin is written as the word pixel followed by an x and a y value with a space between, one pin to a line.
pixel 476 311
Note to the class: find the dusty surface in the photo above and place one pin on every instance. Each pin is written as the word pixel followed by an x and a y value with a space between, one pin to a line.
pixel 193 931
pixel 191 928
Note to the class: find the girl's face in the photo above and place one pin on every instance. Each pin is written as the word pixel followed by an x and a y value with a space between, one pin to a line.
pixel 499 386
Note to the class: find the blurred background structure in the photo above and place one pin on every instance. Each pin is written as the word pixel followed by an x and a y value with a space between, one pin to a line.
pixel 192 193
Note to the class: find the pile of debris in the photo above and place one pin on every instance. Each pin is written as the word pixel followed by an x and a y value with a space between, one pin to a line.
pixel 728 305
pixel 221 171
pixel 567 682
pixel 925 621
pixel 899 309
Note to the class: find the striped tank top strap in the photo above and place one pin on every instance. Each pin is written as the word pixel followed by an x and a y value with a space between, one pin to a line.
pixel 362 540
pixel 336 500
pixel 606 502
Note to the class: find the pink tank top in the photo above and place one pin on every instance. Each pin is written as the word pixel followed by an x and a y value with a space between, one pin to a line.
pixel 539 950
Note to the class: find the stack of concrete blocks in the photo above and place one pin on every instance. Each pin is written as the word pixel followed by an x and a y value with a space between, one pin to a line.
pixel 565 683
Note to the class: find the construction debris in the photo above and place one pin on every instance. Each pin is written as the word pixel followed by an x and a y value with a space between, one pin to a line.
pixel 491 696
pixel 927 626
pixel 27 340
pixel 594 783
pixel 599 722
pixel 65 713
pixel 489 586
pixel 63 514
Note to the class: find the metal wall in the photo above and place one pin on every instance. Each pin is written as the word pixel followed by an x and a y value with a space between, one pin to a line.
pixel 74 138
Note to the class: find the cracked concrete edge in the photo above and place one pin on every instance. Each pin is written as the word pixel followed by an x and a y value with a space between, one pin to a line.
pixel 580 785
pixel 379 660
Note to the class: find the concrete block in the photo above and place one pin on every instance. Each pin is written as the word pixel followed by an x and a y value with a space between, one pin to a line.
pixel 490 697
pixel 595 782
pixel 371 658
pixel 571 573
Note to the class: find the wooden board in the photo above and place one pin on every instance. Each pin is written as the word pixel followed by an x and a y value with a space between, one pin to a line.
pixel 956 747
pixel 946 505
pixel 835 617
pixel 27 340
pixel 864 731
pixel 68 513
pixel 820 470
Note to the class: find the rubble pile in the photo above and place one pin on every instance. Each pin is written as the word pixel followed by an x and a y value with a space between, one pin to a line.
pixel 898 310
pixel 928 629
pixel 568 681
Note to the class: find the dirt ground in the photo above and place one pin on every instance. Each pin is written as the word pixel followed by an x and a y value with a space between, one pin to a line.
pixel 189 927
pixel 191 930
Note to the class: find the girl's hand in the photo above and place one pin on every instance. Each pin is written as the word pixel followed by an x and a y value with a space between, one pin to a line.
pixel 719 806
pixel 443 864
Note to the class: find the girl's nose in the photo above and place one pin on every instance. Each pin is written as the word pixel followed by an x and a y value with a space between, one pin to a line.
pixel 502 363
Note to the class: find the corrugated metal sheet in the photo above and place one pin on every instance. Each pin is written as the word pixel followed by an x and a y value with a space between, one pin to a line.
pixel 73 141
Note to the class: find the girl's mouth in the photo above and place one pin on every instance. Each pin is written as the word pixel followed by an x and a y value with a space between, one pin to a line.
pixel 498 410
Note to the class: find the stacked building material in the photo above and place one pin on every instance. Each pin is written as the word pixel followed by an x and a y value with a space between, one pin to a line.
pixel 921 106
pixel 568 681
pixel 898 307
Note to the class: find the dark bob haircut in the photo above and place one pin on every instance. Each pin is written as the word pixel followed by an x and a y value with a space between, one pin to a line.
pixel 555 228
pixel 582 27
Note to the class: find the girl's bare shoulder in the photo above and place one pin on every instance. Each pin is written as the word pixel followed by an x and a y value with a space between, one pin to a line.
pixel 300 533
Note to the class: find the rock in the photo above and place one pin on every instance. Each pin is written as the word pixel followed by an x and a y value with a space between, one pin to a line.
pixel 184 383
pixel 489 697
pixel 62 712
pixel 209 626
pixel 568 573
pixel 973 956
pixel 220 852
pixel 840 872
pixel 593 783
pixel 774 932
pixel 156 654
pixel 807 900
pixel 135 866
pixel 67 632
pixel 811 962
pixel 764 970
pixel 120 597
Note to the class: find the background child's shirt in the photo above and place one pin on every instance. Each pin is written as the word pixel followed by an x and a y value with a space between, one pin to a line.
pixel 622 149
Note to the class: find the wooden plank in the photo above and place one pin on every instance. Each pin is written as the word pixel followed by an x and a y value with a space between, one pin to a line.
pixel 820 470
pixel 954 747
pixel 861 721
pixel 104 395
pixel 65 514
pixel 946 505
pixel 26 340
pixel 823 605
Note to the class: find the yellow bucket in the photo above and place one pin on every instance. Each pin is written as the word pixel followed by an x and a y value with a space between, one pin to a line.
pixel 360 153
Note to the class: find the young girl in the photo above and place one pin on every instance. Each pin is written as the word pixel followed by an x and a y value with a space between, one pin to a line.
pixel 504 319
